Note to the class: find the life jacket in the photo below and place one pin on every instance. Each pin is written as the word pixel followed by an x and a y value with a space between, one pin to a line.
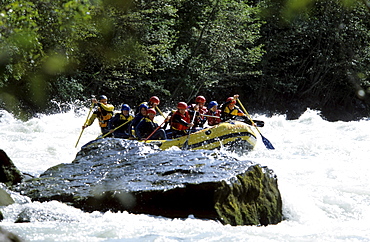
pixel 125 118
pixel 234 112
pixel 176 125
pixel 104 115
pixel 214 121
pixel 120 119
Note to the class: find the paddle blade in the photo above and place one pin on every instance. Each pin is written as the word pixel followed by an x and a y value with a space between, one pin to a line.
pixel 267 143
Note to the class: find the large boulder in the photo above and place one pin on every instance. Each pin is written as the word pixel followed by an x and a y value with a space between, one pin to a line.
pixel 9 174
pixel 116 175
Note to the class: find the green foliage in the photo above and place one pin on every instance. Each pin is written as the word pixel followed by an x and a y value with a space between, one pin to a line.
pixel 318 55
pixel 274 52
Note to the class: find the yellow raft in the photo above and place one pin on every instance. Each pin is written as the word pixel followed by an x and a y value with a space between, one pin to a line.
pixel 231 134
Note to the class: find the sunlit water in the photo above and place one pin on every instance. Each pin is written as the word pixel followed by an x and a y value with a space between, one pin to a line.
pixel 322 167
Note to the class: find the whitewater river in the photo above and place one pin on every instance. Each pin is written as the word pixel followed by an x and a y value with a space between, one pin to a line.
pixel 322 168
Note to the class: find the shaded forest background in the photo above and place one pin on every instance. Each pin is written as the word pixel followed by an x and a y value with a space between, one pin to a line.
pixel 280 56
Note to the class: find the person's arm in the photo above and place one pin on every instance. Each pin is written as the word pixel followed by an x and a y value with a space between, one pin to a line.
pixel 138 128
pixel 240 112
pixel 90 121
pixel 106 107
pixel 112 122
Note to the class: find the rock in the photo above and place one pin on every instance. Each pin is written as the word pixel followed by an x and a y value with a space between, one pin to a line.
pixel 9 174
pixel 117 175
pixel 6 236
pixel 5 198
pixel 23 217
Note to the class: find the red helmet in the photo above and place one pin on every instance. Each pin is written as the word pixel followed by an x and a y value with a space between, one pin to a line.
pixel 231 100
pixel 200 99
pixel 150 110
pixel 154 99
pixel 182 105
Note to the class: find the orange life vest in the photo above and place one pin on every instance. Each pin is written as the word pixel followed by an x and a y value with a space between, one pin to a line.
pixel 179 126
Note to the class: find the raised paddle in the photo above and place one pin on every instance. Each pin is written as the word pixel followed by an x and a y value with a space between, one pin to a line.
pixel 185 145
pixel 265 141
pixel 160 111
pixel 87 118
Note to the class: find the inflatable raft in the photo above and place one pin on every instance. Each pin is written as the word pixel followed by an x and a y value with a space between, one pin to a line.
pixel 232 134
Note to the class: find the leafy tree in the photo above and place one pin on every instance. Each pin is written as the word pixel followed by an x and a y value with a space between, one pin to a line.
pixel 316 56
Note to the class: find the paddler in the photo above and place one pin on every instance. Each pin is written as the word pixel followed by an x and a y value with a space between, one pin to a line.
pixel 215 112
pixel 229 110
pixel 147 126
pixel 198 108
pixel 152 103
pixel 120 124
pixel 180 121
pixel 103 113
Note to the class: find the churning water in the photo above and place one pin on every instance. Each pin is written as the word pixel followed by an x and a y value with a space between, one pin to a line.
pixel 322 167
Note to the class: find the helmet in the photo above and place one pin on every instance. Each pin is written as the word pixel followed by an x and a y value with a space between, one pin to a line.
pixel 154 99
pixel 211 104
pixel 182 105
pixel 151 110
pixel 143 105
pixel 231 100
pixel 102 97
pixel 200 99
pixel 125 107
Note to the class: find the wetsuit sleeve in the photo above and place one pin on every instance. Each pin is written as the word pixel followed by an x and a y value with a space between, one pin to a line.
pixel 138 128
pixel 91 119
pixel 106 107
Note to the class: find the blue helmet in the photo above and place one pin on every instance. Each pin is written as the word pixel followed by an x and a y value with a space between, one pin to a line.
pixel 125 107
pixel 211 104
pixel 143 105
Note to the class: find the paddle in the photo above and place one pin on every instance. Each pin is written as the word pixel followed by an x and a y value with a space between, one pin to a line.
pixel 259 123
pixel 103 136
pixel 159 126
pixel 185 145
pixel 265 141
pixel 160 111
pixel 210 116
pixel 87 118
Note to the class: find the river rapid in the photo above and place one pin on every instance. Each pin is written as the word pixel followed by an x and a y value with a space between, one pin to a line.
pixel 322 168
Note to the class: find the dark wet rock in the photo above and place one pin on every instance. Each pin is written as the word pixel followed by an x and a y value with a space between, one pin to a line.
pixel 23 217
pixel 116 175
pixel 6 236
pixel 9 174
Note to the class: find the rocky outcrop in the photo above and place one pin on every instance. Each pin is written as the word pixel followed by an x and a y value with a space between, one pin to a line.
pixel 9 174
pixel 117 175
